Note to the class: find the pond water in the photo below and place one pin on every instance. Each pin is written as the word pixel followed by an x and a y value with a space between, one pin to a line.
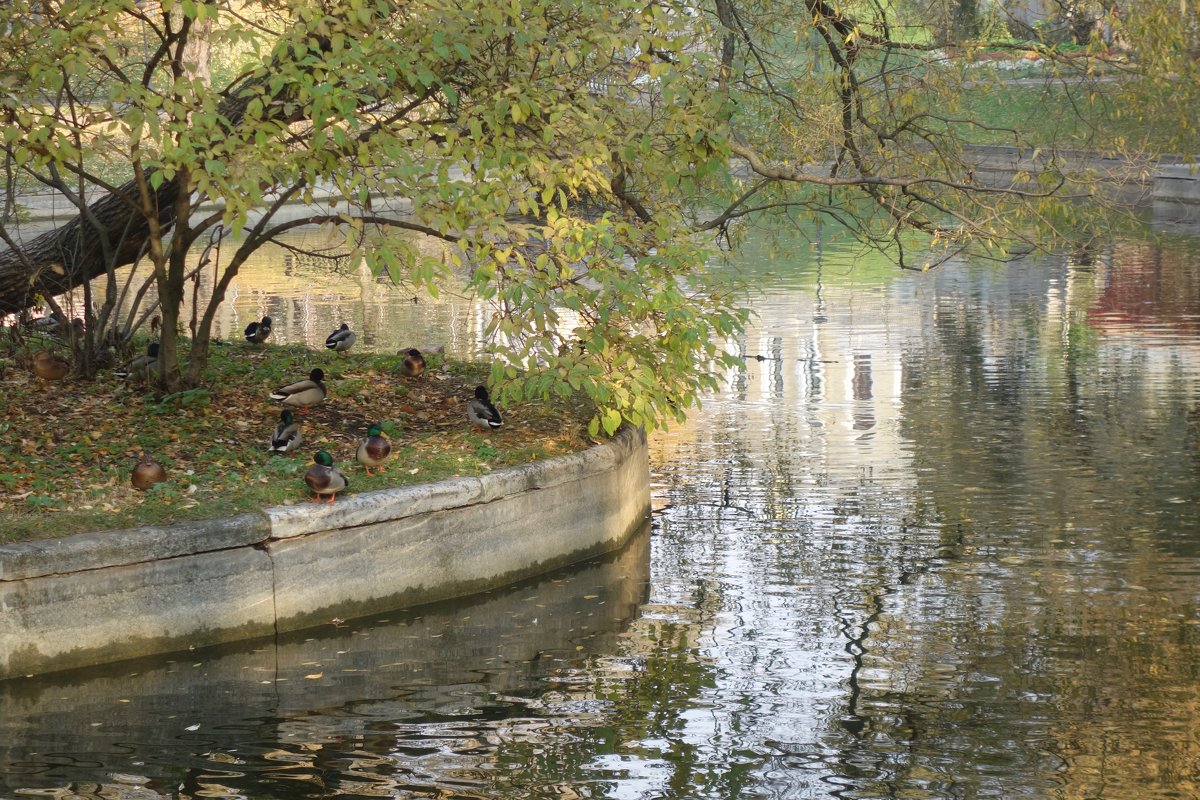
pixel 939 539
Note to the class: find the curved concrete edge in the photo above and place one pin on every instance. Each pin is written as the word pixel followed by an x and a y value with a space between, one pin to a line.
pixel 101 597
pixel 85 551
pixel 524 521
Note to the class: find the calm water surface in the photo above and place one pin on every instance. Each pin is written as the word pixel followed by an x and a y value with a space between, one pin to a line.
pixel 939 539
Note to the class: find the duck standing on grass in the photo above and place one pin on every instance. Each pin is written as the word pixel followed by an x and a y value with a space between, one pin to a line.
pixel 413 364
pixel 341 339
pixel 324 478
pixel 374 449
pixel 257 332
pixel 481 412
pixel 303 394
pixel 142 367
pixel 50 367
pixel 286 436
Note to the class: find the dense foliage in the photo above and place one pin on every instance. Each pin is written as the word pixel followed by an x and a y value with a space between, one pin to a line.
pixel 585 160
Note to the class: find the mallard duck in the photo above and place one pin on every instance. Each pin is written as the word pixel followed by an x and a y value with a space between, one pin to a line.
pixel 413 364
pixel 147 473
pixel 373 450
pixel 324 478
pixel 50 367
pixel 142 367
pixel 286 436
pixel 257 332
pixel 341 340
pixel 303 394
pixel 481 412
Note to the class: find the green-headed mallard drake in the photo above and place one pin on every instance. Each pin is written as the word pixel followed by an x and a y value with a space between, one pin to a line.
pixel 147 473
pixel 481 412
pixel 413 364
pixel 303 394
pixel 341 340
pixel 286 436
pixel 142 367
pixel 257 332
pixel 374 449
pixel 50 367
pixel 324 478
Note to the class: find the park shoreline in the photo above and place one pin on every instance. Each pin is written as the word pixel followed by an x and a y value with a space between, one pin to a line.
pixel 94 598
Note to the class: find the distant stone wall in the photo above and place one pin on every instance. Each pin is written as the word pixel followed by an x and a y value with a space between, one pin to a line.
pixel 100 597
pixel 1177 183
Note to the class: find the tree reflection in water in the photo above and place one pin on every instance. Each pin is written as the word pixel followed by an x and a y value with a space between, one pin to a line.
pixel 938 538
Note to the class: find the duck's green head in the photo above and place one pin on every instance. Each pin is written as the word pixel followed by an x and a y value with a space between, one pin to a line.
pixel 286 417
pixel 323 458
pixel 375 430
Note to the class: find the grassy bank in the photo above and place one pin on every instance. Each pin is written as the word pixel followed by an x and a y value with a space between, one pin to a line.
pixel 67 448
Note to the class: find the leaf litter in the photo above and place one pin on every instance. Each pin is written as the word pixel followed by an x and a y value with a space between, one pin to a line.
pixel 69 447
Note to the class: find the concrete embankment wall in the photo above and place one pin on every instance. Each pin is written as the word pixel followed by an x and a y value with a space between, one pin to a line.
pixel 1128 179
pixel 107 596
pixel 1168 187
pixel 339 679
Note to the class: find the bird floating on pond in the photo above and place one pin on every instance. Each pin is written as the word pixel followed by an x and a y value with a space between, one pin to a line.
pixel 303 394
pixel 324 478
pixel 147 473
pixel 257 332
pixel 286 436
pixel 413 364
pixel 373 449
pixel 481 412
pixel 341 340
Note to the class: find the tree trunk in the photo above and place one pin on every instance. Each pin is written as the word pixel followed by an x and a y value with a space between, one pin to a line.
pixel 61 259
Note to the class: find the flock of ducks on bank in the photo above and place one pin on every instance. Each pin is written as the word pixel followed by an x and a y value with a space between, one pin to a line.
pixel 323 477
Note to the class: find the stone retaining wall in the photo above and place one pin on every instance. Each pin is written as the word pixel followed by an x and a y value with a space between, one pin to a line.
pixel 107 596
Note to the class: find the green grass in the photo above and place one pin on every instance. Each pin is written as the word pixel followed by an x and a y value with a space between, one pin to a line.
pixel 67 449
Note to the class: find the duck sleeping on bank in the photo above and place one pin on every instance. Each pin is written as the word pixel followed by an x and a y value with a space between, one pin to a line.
pixel 303 394
pixel 341 340
pixel 257 332
pixel 286 436
pixel 413 365
pixel 141 367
